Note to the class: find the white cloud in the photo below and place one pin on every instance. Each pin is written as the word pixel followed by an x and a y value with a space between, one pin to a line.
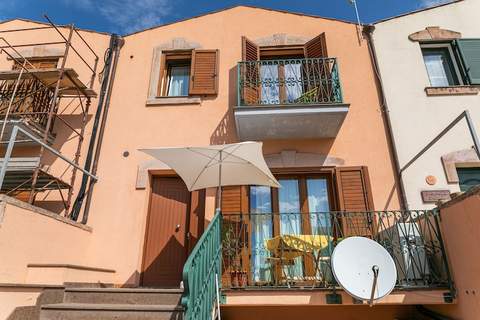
pixel 127 15
pixel 432 3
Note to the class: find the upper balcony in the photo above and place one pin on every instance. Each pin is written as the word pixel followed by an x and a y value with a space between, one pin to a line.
pixel 289 99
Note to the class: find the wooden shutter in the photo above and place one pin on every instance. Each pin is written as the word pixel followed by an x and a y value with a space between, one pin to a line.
pixel 235 222
pixel 318 71
pixel 204 72
pixel 355 198
pixel 250 72
pixel 317 47
pixel 469 50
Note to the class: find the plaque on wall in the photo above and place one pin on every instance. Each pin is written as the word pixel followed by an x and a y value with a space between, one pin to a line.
pixel 433 196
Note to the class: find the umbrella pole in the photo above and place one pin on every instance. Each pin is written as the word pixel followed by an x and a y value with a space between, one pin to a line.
pixel 219 189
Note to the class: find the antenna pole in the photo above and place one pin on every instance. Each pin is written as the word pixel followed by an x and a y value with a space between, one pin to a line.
pixel 359 27
pixel 375 270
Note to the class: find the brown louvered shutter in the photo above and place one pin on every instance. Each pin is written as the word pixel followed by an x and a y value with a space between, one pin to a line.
pixel 317 47
pixel 250 72
pixel 235 225
pixel 355 198
pixel 204 72
pixel 318 70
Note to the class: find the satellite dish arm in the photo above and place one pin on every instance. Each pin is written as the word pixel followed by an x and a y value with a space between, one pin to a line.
pixel 375 270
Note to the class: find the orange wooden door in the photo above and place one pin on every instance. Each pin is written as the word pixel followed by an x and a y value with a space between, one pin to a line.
pixel 165 239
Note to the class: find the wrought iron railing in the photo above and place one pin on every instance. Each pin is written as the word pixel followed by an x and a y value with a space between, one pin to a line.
pixel 289 82
pixel 293 250
pixel 200 273
pixel 31 100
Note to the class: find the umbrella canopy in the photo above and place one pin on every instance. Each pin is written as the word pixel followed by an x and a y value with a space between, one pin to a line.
pixel 217 165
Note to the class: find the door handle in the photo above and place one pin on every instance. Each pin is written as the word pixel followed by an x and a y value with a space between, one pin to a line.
pixel 177 227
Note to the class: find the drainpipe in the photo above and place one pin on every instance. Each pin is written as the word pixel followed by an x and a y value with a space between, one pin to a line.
pixel 115 44
pixel 386 116
pixel 98 148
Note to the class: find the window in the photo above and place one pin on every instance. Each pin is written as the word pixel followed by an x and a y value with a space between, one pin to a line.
pixel 468 177
pixel 442 68
pixel 188 72
pixel 178 79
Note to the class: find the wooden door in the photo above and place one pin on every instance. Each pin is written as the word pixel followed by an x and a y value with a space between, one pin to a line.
pixel 166 244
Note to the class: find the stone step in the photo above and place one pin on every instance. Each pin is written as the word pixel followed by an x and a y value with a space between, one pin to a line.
pixel 134 296
pixel 89 311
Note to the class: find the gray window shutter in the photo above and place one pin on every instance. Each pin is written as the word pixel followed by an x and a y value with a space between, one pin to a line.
pixel 469 50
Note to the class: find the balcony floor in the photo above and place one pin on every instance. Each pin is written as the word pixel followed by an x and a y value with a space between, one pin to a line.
pixel 289 121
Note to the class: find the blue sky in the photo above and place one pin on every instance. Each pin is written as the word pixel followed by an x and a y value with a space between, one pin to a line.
pixel 126 16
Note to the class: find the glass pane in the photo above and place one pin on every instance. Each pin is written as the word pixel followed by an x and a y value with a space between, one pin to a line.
pixel 468 177
pixel 439 67
pixel 178 81
pixel 289 206
pixel 290 221
pixel 319 206
pixel 261 223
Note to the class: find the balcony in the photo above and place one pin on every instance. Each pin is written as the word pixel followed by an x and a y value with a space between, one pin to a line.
pixel 289 99
pixel 265 251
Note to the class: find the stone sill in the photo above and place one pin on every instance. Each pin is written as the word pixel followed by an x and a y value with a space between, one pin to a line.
pixel 166 101
pixel 451 91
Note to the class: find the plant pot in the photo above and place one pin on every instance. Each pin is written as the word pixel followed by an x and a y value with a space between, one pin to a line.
pixel 234 279
pixel 242 279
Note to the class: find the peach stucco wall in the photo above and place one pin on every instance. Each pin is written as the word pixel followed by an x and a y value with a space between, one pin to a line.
pixel 33 236
pixel 459 223
pixel 118 211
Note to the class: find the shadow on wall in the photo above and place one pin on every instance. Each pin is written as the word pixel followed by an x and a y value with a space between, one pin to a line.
pixel 225 131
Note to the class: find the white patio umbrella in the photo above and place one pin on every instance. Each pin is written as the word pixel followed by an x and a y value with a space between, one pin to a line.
pixel 217 165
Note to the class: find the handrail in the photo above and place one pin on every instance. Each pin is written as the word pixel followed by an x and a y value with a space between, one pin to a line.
pixel 300 81
pixel 199 273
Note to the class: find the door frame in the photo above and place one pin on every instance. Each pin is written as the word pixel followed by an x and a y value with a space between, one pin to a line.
pixel 163 174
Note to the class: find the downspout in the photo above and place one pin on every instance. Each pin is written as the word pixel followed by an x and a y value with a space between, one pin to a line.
pixel 386 116
pixel 77 205
pixel 98 148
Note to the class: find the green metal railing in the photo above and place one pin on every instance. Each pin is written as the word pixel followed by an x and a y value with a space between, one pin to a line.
pixel 289 82
pixel 412 238
pixel 200 273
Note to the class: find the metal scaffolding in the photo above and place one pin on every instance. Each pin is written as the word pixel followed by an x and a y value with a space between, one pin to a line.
pixel 32 99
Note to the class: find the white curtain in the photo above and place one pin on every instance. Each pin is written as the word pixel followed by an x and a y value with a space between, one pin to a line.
pixel 436 65
pixel 269 79
pixel 293 81
pixel 178 82
pixel 261 222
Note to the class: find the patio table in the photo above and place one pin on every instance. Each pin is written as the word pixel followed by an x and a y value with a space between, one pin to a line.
pixel 287 247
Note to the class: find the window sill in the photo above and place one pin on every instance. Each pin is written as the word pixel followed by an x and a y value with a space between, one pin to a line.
pixel 451 90
pixel 165 101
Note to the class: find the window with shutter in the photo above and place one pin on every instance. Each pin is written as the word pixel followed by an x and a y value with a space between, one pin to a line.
pixel 45 63
pixel 354 195
pixel 204 72
pixel 469 50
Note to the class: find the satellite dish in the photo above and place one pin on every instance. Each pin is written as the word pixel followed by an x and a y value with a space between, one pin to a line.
pixel 364 269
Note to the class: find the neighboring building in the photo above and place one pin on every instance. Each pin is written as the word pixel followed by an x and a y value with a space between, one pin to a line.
pixel 303 85
pixel 430 69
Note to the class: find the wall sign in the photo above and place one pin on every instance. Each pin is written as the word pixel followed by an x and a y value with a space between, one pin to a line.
pixel 432 196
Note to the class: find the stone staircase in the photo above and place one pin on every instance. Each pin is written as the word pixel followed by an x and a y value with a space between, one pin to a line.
pixel 115 303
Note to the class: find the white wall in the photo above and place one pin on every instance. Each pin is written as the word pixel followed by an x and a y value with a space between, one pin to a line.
pixel 416 117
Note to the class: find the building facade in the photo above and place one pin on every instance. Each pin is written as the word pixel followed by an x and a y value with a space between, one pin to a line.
pixel 305 87
pixel 428 62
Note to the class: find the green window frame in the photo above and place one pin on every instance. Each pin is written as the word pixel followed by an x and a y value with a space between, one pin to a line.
pixel 468 177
